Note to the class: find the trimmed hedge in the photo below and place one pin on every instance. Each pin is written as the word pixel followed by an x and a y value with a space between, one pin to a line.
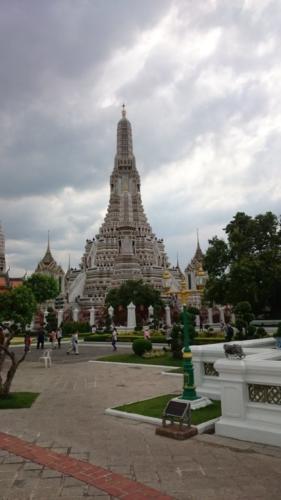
pixel 104 337
pixel 97 337
pixel 70 327
pixel 140 346
pixel 207 340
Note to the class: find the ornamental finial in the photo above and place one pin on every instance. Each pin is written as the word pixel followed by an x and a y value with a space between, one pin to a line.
pixel 123 111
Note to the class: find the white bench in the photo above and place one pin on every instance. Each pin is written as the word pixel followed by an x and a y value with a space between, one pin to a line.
pixel 46 358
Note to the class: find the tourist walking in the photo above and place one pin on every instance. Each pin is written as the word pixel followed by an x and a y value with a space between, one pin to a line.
pixel 53 336
pixel 146 333
pixel 76 350
pixel 27 342
pixel 229 332
pixel 59 336
pixel 40 339
pixel 114 339
pixel 74 344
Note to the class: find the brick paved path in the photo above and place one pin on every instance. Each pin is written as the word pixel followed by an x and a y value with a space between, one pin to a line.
pixel 68 417
pixel 111 483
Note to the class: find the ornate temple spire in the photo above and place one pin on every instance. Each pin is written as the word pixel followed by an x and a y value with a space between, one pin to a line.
pixel 48 258
pixel 198 254
pixel 2 251
pixel 124 137
pixel 48 262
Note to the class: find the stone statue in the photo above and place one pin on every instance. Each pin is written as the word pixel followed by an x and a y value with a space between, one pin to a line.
pixel 233 351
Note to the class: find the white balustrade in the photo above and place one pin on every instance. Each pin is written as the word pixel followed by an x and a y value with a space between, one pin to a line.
pixel 131 316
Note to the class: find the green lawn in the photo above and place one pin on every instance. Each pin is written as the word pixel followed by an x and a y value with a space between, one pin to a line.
pixel 154 408
pixel 20 340
pixel 166 359
pixel 18 400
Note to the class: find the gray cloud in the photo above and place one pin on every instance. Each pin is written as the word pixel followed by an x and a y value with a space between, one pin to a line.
pixel 202 83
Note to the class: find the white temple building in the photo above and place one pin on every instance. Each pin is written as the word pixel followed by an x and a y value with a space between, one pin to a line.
pixel 125 247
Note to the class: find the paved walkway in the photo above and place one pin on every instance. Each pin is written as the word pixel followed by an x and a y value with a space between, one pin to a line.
pixel 102 479
pixel 68 418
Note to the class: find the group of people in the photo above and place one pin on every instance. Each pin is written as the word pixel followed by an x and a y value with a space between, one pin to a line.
pixel 55 337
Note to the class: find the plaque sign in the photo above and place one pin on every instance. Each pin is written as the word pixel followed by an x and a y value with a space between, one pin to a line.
pixel 178 411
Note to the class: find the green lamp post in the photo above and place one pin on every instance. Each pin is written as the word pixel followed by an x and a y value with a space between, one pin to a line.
pixel 189 392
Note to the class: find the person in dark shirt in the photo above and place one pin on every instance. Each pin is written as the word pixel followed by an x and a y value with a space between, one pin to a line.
pixel 40 339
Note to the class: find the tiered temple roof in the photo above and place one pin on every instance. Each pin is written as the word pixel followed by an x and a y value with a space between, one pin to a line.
pixel 125 247
pixel 49 267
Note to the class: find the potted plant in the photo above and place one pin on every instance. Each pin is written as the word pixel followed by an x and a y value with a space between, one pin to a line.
pixel 277 335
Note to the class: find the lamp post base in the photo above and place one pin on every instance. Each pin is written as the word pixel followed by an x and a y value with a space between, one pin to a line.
pixel 200 402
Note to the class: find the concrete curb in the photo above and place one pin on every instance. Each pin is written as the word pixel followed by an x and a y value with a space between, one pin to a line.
pixel 133 416
pixel 204 427
pixel 207 426
pixel 172 374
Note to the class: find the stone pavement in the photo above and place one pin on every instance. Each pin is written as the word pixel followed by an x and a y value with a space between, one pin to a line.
pixel 68 417
pixel 45 463
pixel 21 479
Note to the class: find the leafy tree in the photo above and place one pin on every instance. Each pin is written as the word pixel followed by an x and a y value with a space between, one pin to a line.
pixel 44 287
pixel 191 323
pixel 244 314
pixel 108 324
pixel 246 267
pixel 177 341
pixel 193 310
pixel 141 294
pixel 134 291
pixel 51 320
pixel 177 333
pixel 17 305
pixel 69 327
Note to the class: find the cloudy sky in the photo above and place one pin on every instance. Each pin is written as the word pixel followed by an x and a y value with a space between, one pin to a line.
pixel 202 83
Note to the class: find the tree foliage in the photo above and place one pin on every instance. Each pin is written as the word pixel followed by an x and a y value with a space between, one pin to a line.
pixel 17 305
pixel 177 333
pixel 246 267
pixel 134 291
pixel 43 287
pixel 243 316
pixel 51 320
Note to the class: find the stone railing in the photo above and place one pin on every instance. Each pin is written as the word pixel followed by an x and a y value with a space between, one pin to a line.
pixel 203 357
pixel 251 397
pixel 209 370
pixel 270 394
